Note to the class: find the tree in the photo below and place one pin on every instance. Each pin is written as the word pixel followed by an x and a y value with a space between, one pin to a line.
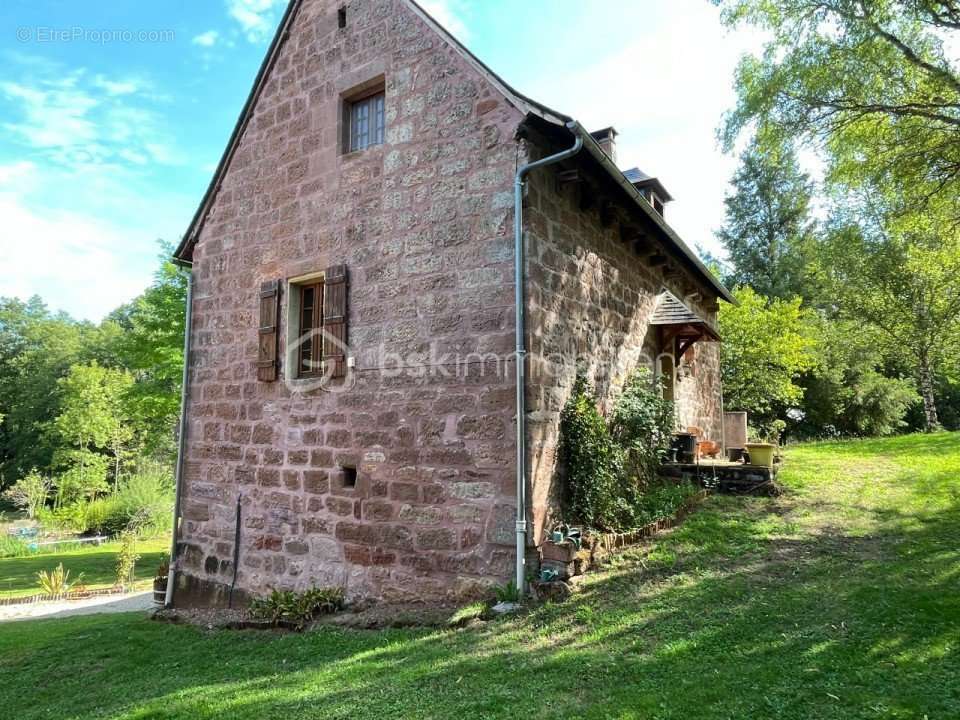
pixel 900 274
pixel 152 348
pixel 766 347
pixel 853 390
pixel 91 419
pixel 868 82
pixel 768 230
pixel 41 346
pixel 29 493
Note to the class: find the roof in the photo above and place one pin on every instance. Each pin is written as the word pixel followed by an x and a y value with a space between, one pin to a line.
pixel 670 310
pixel 641 180
pixel 528 106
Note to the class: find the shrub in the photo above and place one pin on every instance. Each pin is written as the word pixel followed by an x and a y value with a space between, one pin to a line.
pixel 127 558
pixel 12 547
pixel 57 581
pixel 85 478
pixel 507 593
pixel 146 500
pixel 663 500
pixel 297 609
pixel 642 423
pixel 67 518
pixel 591 461
pixel 607 467
pixel 29 493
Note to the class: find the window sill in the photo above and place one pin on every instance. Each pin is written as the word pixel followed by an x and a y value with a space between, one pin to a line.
pixel 355 154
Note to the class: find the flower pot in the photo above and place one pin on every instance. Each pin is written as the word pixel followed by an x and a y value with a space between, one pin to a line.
pixel 761 454
pixel 159 591
pixel 685 445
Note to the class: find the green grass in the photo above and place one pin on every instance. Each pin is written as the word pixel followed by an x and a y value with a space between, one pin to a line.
pixel 18 576
pixel 838 600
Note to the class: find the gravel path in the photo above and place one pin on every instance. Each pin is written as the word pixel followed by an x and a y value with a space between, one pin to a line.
pixel 103 604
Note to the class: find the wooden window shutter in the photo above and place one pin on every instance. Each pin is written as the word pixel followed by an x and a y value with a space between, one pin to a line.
pixel 269 330
pixel 335 321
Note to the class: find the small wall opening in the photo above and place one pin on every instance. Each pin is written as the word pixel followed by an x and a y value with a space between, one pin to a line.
pixel 342 17
pixel 349 476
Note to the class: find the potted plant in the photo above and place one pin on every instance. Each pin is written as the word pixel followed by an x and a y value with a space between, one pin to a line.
pixel 762 448
pixel 160 582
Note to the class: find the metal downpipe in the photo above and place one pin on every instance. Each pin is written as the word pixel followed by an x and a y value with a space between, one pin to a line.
pixel 521 350
pixel 181 439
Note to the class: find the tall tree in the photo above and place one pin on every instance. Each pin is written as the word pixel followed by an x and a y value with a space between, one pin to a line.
pixel 91 420
pixel 901 274
pixel 40 346
pixel 871 83
pixel 152 349
pixel 765 350
pixel 768 229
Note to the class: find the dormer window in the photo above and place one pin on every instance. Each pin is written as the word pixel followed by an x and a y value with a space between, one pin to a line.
pixel 650 188
pixel 656 202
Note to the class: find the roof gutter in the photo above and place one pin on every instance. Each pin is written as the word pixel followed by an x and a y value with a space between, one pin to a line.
pixel 521 350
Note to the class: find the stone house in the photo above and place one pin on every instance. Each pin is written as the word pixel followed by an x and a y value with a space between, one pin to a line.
pixel 350 395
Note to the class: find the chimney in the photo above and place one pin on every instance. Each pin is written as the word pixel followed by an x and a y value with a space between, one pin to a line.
pixel 606 138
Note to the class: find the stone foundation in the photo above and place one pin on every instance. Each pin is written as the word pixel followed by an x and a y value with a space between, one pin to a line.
pixel 730 478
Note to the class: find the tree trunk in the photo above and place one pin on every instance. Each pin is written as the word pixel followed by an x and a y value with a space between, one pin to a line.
pixel 931 422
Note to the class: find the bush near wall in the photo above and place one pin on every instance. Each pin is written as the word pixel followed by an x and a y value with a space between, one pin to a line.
pixel 609 469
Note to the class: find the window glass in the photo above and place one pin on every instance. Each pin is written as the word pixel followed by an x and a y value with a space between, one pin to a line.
pixel 367 122
pixel 310 347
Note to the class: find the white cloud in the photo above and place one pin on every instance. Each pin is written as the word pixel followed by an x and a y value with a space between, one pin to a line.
pixel 206 39
pixel 665 93
pixel 55 113
pixel 70 260
pixel 74 120
pixel 18 172
pixel 116 87
pixel 80 205
pixel 257 18
pixel 450 14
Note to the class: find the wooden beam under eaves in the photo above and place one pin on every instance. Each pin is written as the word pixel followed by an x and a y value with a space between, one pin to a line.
pixel 657 259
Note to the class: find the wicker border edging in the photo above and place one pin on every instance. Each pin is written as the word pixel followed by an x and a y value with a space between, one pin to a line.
pixel 614 541
pixel 570 560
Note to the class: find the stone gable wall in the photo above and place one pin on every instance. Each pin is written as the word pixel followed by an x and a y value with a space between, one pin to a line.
pixel 423 223
pixel 590 296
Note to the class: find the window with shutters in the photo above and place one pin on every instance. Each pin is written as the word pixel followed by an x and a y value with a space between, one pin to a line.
pixel 366 122
pixel 316 331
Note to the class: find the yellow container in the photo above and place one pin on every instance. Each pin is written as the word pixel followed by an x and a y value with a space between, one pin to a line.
pixel 761 453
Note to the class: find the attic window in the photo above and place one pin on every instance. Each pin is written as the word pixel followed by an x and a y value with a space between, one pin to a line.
pixel 656 202
pixel 366 122
pixel 342 17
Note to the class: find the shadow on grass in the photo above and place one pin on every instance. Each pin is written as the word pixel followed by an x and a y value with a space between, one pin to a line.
pixel 735 614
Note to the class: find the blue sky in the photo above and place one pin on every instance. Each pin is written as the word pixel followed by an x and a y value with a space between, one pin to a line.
pixel 113 115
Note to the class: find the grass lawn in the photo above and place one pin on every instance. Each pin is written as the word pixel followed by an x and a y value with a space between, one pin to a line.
pixel 839 600
pixel 18 576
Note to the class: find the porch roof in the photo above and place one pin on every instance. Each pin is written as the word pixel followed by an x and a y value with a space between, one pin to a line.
pixel 680 324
